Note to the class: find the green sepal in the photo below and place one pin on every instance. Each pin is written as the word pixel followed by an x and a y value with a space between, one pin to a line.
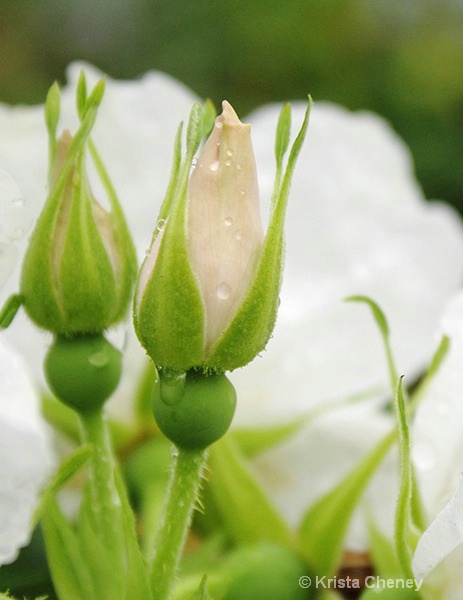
pixel 255 319
pixel 246 511
pixel 9 310
pixel 169 315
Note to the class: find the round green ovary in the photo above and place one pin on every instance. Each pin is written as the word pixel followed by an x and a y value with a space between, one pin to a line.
pixel 83 371
pixel 194 410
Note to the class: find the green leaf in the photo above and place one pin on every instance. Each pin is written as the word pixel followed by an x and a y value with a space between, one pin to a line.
pixel 201 593
pixel 382 553
pixel 383 327
pixel 52 112
pixel 252 441
pixel 246 511
pixel 433 368
pixel 68 564
pixel 9 310
pixel 137 576
pixel 403 509
pixel 324 526
pixel 68 468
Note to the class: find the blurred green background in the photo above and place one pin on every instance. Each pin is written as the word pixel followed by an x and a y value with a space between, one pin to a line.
pixel 400 58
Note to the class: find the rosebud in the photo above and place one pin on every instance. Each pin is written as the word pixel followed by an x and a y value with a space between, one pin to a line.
pixel 79 268
pixel 207 292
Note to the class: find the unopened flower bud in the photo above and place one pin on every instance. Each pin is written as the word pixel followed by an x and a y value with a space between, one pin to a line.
pixel 79 268
pixel 207 293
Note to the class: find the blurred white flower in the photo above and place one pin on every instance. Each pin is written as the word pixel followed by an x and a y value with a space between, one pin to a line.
pixel 357 224
pixel 25 457
pixel 438 457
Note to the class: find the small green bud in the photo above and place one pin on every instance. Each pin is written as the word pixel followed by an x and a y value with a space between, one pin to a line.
pixel 207 292
pixel 193 410
pixel 83 371
pixel 79 268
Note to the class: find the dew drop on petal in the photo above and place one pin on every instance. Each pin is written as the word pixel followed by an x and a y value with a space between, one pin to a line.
pixel 229 152
pixel 238 166
pixel 227 163
pixel 99 359
pixel 224 291
pixel 214 165
pixel 228 221
pixel 194 162
pixel 238 234
pixel 243 192
pixel 160 224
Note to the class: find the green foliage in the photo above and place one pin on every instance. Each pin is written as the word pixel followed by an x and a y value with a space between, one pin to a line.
pixel 246 511
pixel 201 593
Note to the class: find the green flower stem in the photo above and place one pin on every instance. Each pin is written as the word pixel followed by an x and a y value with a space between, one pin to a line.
pixel 104 498
pixel 182 496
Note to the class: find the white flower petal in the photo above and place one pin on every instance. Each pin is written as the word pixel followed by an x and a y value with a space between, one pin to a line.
pixel 25 457
pixel 299 471
pixel 357 224
pixel 442 537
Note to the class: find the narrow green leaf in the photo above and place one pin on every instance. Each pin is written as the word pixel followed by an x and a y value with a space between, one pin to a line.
pixel 68 468
pixel 434 366
pixel 282 134
pixel 324 526
pixel 253 441
pixel 68 566
pixel 201 593
pixel 382 553
pixel 247 512
pixel 403 509
pixel 137 576
pixel 383 327
pixel 9 310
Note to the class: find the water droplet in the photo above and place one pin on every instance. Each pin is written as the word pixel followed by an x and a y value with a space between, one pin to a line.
pixel 172 385
pixel 243 192
pixel 229 152
pixel 238 166
pixel 238 234
pixel 224 291
pixel 228 221
pixel 219 125
pixel 194 162
pixel 160 224
pixel 214 165
pixel 181 504
pixel 18 201
pixel 228 163
pixel 99 359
